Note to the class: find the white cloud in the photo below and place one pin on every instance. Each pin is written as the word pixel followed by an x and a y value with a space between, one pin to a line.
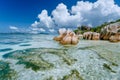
pixel 44 24
pixel 20 30
pixel 52 30
pixel 97 13
pixel 83 13
pixel 42 30
pixel 44 20
pixel 13 28
pixel 63 18
pixel 35 24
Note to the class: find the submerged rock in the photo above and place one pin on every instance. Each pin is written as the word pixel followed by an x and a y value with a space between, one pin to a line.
pixel 50 78
pixel 32 58
pixel 35 64
pixel 75 75
pixel 6 49
pixel 6 73
pixel 107 54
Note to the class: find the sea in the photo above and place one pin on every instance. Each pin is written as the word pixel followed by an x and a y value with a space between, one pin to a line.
pixel 39 57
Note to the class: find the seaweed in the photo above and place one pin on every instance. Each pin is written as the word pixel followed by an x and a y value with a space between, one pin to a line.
pixel 63 54
pixel 75 75
pixel 108 67
pixel 114 64
pixel 6 73
pixel 32 58
pixel 35 65
pixel 50 78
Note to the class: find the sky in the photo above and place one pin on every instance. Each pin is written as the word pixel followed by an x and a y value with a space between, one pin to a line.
pixel 49 15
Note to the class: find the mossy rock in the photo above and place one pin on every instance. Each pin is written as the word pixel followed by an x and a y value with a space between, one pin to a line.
pixel 5 72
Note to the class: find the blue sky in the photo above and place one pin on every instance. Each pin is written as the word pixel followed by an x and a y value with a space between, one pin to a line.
pixel 23 13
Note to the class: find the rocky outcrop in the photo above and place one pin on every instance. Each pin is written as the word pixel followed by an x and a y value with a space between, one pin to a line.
pixel 111 32
pixel 80 36
pixel 114 38
pixel 91 36
pixel 67 37
pixel 62 33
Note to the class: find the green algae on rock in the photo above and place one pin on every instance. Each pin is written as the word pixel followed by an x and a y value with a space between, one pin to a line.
pixel 35 64
pixel 75 75
pixel 108 55
pixel 108 67
pixel 50 78
pixel 5 72
pixel 61 53
pixel 32 58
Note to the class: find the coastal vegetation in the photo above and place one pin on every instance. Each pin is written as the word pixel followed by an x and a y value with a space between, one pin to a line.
pixel 83 28
pixel 106 31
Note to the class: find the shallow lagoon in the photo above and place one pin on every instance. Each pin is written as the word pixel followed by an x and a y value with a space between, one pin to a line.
pixel 38 57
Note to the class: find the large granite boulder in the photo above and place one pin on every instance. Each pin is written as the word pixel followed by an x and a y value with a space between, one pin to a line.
pixel 91 36
pixel 111 32
pixel 80 36
pixel 67 37
pixel 62 33
pixel 115 38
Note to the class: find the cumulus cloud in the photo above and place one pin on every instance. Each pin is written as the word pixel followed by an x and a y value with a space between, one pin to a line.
pixel 83 13
pixel 63 18
pixel 44 24
pixel 96 13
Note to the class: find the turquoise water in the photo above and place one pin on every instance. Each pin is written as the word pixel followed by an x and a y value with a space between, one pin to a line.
pixel 39 57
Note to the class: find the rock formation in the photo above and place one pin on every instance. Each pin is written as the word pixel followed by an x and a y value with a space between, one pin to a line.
pixel 67 37
pixel 111 32
pixel 115 38
pixel 62 33
pixel 91 36
pixel 80 36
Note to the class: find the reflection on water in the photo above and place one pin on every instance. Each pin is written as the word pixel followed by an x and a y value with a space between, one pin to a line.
pixel 38 57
